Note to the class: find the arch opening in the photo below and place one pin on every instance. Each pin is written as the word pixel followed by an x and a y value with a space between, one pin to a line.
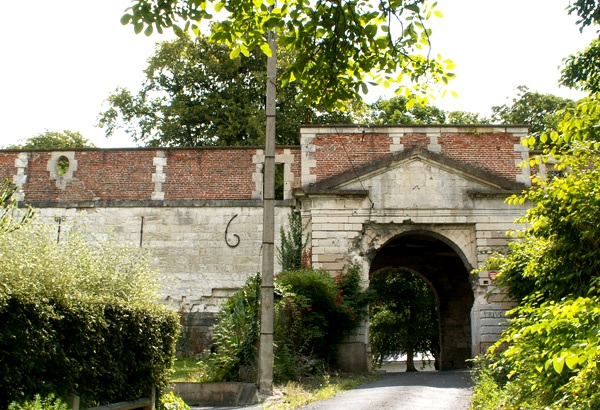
pixel 404 321
pixel 444 270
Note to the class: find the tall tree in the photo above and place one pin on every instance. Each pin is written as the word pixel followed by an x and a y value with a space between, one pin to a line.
pixel 531 108
pixel 404 318
pixel 54 139
pixel 548 355
pixel 194 94
pixel 341 45
pixel 465 118
pixel 399 110
pixel 580 70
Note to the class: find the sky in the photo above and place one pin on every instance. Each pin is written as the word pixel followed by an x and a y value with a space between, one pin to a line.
pixel 61 59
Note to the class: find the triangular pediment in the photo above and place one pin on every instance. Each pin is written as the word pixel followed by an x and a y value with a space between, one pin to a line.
pixel 416 178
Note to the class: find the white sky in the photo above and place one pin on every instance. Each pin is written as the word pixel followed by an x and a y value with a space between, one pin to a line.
pixel 61 59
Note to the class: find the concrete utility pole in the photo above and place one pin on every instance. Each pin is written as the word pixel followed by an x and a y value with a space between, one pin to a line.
pixel 266 357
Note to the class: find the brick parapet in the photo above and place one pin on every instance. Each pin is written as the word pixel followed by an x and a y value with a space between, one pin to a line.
pixel 167 175
pixel 329 151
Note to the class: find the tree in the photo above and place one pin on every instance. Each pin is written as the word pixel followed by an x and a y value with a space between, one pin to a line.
pixel 465 118
pixel 536 110
pixel 548 355
pixel 581 69
pixel 399 110
pixel 396 110
pixel 404 318
pixel 588 12
pixel 194 94
pixel 55 140
pixel 341 45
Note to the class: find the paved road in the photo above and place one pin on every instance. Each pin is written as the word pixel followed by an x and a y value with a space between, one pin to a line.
pixel 428 390
pixel 405 391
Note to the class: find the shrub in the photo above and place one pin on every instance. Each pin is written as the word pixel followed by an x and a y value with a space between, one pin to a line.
pixel 236 334
pixel 39 403
pixel 11 217
pixel 549 351
pixel 79 319
pixel 170 401
pixel 313 312
pixel 289 254
pixel 328 308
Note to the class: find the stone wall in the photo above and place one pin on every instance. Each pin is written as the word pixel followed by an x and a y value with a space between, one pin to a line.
pixel 199 209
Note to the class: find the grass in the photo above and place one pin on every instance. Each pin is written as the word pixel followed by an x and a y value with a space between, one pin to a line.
pixel 188 369
pixel 291 395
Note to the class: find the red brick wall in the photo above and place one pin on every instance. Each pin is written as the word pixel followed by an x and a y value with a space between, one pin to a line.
pixel 336 153
pixel 100 175
pixel 108 175
pixel 492 152
pixel 226 173
pixel 209 174
pixel 7 165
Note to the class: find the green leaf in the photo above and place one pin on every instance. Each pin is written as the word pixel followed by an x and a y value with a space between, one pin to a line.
pixel 558 363
pixel 266 49
pixel 572 361
pixel 364 88
pixel 235 53
pixel 125 19
pixel 177 30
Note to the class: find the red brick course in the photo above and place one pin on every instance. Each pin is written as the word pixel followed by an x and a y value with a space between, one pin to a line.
pixel 226 173
pixel 492 152
pixel 109 175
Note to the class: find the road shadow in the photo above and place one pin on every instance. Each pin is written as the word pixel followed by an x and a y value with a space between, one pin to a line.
pixel 457 379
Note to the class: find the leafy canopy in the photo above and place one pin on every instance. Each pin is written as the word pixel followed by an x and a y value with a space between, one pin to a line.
pixel 54 139
pixel 400 110
pixel 548 355
pixel 194 94
pixel 404 318
pixel 342 45
pixel 538 111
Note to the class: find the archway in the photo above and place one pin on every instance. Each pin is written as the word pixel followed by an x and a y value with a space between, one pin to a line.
pixel 442 266
pixel 404 318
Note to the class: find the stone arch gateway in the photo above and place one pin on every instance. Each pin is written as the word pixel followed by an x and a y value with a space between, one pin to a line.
pixel 443 269
pixel 361 190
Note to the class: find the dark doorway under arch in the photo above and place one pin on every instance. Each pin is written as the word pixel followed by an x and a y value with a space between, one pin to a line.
pixel 443 268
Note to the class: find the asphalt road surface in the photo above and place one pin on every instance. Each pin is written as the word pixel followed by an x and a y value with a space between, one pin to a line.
pixel 405 391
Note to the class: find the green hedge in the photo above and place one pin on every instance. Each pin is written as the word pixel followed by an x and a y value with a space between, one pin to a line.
pixel 77 318
pixel 103 351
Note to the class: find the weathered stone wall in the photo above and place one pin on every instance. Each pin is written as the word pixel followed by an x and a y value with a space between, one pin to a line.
pixel 199 209
pixel 369 186
pixel 188 244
